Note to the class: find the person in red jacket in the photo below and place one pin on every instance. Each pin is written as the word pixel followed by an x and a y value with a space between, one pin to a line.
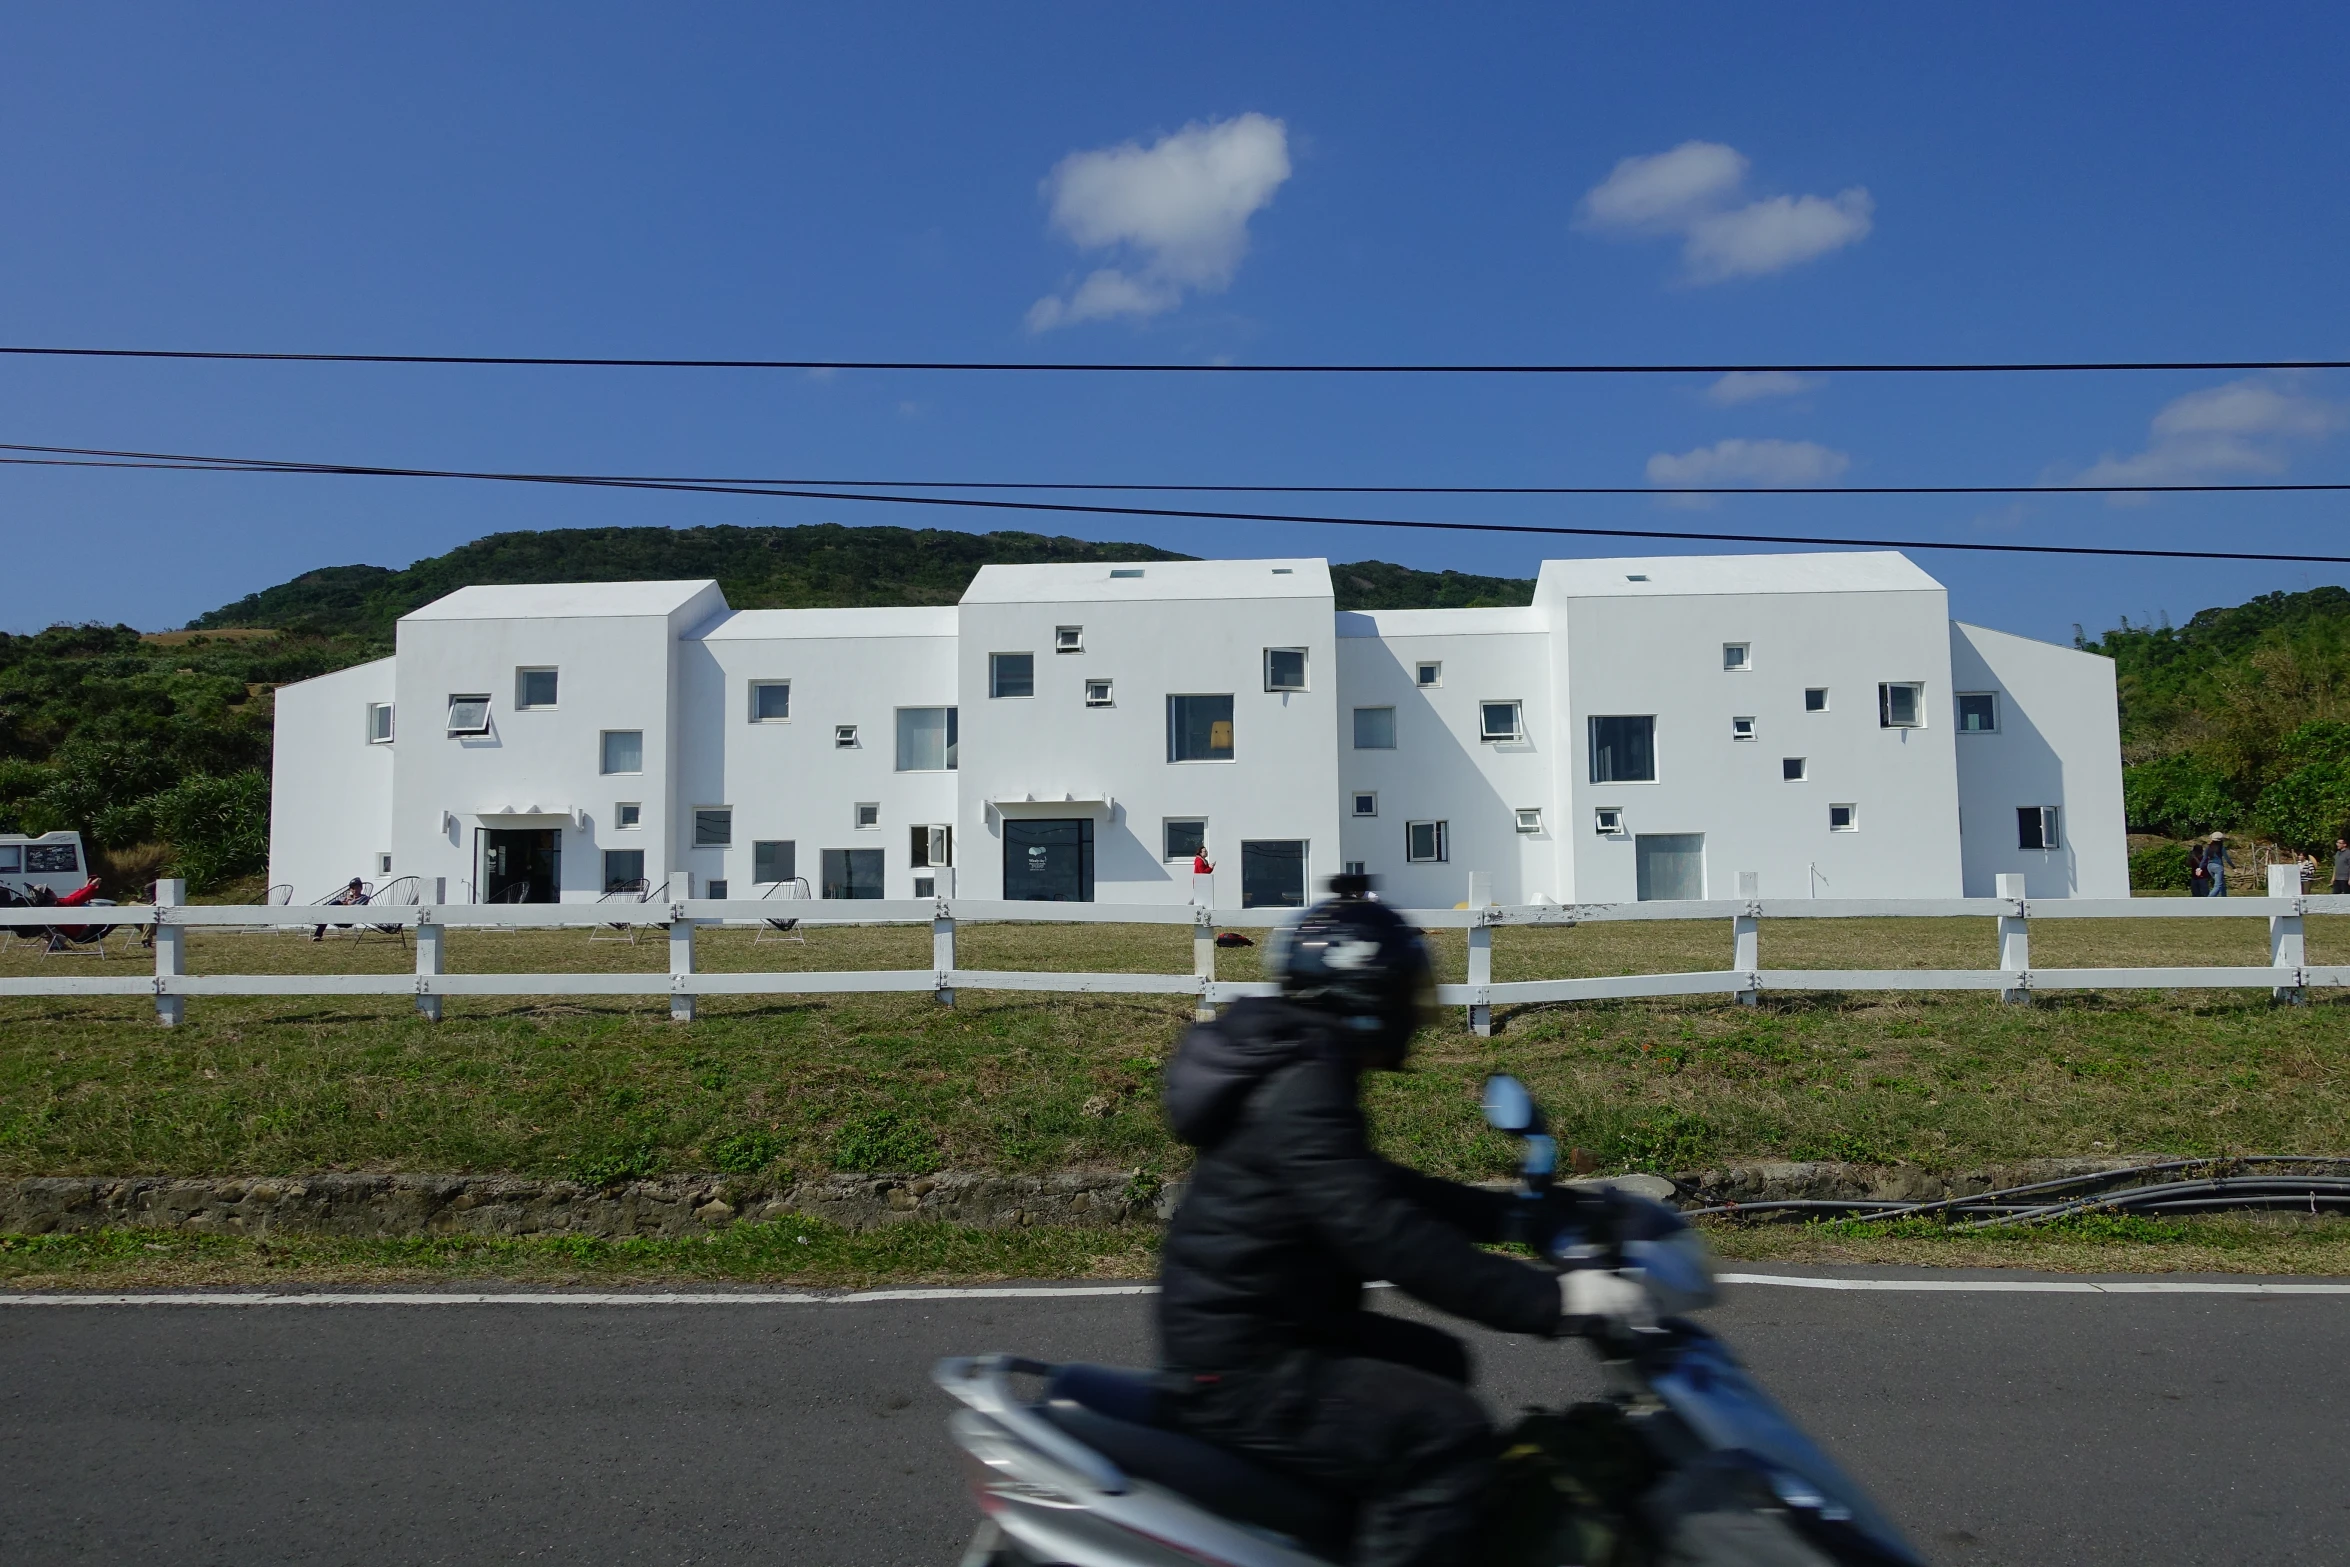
pixel 1199 863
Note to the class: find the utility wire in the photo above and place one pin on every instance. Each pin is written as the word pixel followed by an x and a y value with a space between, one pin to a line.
pixel 694 487
pixel 2010 367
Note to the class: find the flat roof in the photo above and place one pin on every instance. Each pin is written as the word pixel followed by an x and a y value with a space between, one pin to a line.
pixel 758 625
pixel 1665 576
pixel 551 600
pixel 1492 620
pixel 1112 582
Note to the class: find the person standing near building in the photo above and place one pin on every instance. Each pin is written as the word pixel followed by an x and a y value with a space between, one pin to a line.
pixel 2215 865
pixel 2198 879
pixel 2341 865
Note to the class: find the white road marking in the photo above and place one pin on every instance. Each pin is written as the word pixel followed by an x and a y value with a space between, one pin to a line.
pixel 1068 1291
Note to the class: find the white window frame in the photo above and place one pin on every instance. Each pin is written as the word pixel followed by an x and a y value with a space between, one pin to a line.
pixel 1742 734
pixel 1958 701
pixel 604 754
pixel 1168 822
pixel 1807 694
pixel 844 737
pixel 950 738
pixel 1802 772
pixel 1851 821
pixel 1441 834
pixel 1529 818
pixel 1608 821
pixel 866 816
pixel 1737 658
pixel 758 686
pixel 1517 731
pixel 622 822
pixel 1355 799
pixel 2051 830
pixel 1885 690
pixel 522 676
pixel 1101 693
pixel 457 733
pixel 383 863
pixel 1358 728
pixel 1068 639
pixel 1304 669
pixel 388 715
pixel 1428 673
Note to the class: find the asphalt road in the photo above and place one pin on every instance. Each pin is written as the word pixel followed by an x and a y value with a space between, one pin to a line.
pixel 1997 1428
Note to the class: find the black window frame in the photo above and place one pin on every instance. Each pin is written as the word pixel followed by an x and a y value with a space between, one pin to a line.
pixel 1000 681
pixel 1603 767
pixel 1177 733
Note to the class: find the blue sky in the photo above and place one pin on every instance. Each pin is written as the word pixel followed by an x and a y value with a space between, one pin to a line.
pixel 1185 183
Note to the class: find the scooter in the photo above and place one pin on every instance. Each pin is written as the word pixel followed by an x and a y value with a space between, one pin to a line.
pixel 1685 1461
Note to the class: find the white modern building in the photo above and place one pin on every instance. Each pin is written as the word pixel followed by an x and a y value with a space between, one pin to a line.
pixel 1644 729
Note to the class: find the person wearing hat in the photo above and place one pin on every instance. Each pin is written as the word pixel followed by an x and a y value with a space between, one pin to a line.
pixel 2215 862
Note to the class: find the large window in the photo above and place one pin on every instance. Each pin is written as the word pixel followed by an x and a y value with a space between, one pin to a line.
pixel 1374 728
pixel 1011 674
pixel 2035 827
pixel 1273 874
pixel 624 751
pixel 927 739
pixel 770 701
pixel 624 870
pixel 50 858
pixel 1285 669
pixel 469 715
pixel 774 859
pixel 1623 750
pixel 1978 712
pixel 1048 861
pixel 1500 721
pixel 852 873
pixel 1199 728
pixel 1186 836
pixel 713 826
pixel 1427 841
pixel 1901 704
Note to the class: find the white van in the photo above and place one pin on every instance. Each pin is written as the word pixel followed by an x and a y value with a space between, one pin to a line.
pixel 54 860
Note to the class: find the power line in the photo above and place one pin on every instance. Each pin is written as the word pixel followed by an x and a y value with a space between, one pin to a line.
pixel 554 361
pixel 595 481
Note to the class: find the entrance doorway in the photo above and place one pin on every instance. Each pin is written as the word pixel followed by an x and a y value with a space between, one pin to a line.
pixel 1273 873
pixel 1671 865
pixel 1048 861
pixel 529 859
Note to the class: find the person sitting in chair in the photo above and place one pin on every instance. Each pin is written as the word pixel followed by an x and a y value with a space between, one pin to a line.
pixel 354 894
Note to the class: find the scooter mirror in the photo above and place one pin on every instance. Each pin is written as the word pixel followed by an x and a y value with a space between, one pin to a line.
pixel 1508 1107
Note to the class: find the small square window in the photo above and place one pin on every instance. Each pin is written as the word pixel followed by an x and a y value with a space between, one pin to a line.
pixel 716 888
pixel 1098 693
pixel 379 723
pixel 2035 827
pixel 534 688
pixel 383 865
pixel 931 847
pixel 1428 673
pixel 844 737
pixel 1366 802
pixel 1734 655
pixel 1791 768
pixel 1529 818
pixel 1424 842
pixel 1011 674
pixel 713 826
pixel 1356 867
pixel 469 715
pixel 868 814
pixel 770 701
pixel 1901 704
pixel 1741 728
pixel 623 751
pixel 775 860
pixel 1815 699
pixel 1842 818
pixel 1978 712
pixel 1068 639
pixel 1186 836
pixel 624 870
pixel 1374 728
pixel 628 814
pixel 1608 822
pixel 926 886
pixel 1499 721
pixel 1285 669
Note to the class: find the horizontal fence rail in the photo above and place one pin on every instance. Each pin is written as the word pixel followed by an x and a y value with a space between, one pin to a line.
pixel 2287 975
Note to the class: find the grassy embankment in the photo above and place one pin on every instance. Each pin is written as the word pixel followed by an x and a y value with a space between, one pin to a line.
pixel 770 1086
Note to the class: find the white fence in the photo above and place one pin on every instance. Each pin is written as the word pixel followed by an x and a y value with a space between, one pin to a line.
pixel 2287 974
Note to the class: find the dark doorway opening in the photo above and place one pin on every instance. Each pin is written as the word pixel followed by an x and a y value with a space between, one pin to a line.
pixel 521 865
pixel 1273 874
pixel 1049 861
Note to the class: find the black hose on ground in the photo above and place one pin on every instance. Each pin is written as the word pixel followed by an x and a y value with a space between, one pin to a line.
pixel 2106 1191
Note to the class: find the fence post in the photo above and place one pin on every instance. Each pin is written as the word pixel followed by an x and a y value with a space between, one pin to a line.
pixel 681 948
pixel 2287 947
pixel 1480 953
pixel 171 955
pixel 2015 940
pixel 1203 942
pixel 430 955
pixel 1746 938
pixel 942 944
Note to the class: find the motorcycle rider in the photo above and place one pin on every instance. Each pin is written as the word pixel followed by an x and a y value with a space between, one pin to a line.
pixel 1266 1346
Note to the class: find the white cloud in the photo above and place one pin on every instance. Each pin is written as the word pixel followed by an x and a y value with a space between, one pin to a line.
pixel 1760 464
pixel 1693 191
pixel 1746 386
pixel 2242 427
pixel 1175 214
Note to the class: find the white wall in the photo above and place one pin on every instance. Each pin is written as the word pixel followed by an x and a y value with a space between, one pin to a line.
pixel 2058 743
pixel 330 803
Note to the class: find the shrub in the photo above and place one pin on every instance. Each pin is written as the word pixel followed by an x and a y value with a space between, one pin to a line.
pixel 2160 867
pixel 2177 796
pixel 2308 808
pixel 218 828
pixel 744 1153
pixel 884 1142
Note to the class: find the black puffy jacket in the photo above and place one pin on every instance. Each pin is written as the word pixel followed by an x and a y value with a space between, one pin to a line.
pixel 1290 1213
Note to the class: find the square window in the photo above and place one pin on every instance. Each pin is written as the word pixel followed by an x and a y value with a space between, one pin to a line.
pixel 628 814
pixel 1499 721
pixel 1791 768
pixel 1978 712
pixel 1623 750
pixel 1366 802
pixel 868 814
pixel 1186 836
pixel 1068 639
pixel 926 886
pixel 1423 842
pixel 469 715
pixel 2035 827
pixel 1608 822
pixel 1428 672
pixel 1841 818
pixel 770 701
pixel 931 848
pixel 1011 674
pixel 774 860
pixel 1815 699
pixel 1374 728
pixel 1285 669
pixel 624 751
pixel 383 865
pixel 1741 728
pixel 713 826
pixel 716 889
pixel 1199 729
pixel 379 723
pixel 844 737
pixel 1529 818
pixel 534 688
pixel 1356 867
pixel 1098 694
pixel 624 870
pixel 929 739
pixel 1734 655
pixel 1901 704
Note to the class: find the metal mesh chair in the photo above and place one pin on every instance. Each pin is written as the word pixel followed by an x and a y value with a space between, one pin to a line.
pixel 638 890
pixel 783 929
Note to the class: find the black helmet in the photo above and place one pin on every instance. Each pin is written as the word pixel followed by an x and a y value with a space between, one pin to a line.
pixel 1356 959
